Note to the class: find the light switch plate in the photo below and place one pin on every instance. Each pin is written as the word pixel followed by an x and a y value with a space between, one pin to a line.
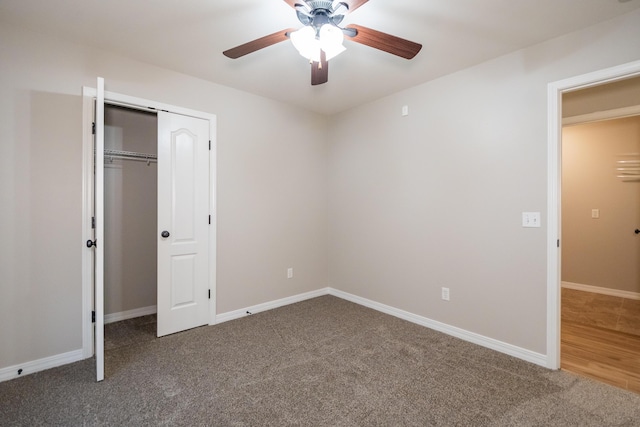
pixel 531 219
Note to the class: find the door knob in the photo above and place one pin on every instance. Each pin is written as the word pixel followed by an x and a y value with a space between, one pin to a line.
pixel 91 243
pixel 166 234
pixel 637 231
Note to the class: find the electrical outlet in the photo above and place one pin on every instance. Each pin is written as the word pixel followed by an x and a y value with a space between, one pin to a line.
pixel 445 294
pixel 289 273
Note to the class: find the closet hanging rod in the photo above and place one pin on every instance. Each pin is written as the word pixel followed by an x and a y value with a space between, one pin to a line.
pixel 111 158
pixel 130 154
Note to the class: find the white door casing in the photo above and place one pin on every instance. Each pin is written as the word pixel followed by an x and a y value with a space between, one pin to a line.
pixel 99 231
pixel 554 194
pixel 183 217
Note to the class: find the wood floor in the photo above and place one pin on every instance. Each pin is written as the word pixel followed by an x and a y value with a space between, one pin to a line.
pixel 600 338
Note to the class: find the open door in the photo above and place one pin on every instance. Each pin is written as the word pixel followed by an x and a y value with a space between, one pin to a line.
pixel 183 222
pixel 99 230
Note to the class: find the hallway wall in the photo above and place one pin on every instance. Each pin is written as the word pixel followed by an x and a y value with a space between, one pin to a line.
pixel 604 251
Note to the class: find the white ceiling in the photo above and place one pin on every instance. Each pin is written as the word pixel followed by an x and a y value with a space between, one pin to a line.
pixel 189 36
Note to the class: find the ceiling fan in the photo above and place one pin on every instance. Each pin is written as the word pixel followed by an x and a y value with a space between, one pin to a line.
pixel 321 37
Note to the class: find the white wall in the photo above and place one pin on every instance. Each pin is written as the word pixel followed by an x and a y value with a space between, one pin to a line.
pixel 435 198
pixel 271 179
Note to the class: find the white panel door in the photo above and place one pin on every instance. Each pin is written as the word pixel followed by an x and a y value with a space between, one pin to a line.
pixel 99 231
pixel 183 222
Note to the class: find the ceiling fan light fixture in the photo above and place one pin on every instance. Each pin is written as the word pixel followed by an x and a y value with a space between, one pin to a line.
pixel 329 39
pixel 305 42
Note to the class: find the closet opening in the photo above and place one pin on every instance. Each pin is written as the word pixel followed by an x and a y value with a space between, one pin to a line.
pixel 159 234
pixel 130 209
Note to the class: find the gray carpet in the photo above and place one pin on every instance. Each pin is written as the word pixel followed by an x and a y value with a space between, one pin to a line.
pixel 322 362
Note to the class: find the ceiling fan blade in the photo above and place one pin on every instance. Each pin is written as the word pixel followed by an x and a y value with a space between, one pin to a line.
pixel 354 4
pixel 261 43
pixel 320 70
pixel 386 42
pixel 292 3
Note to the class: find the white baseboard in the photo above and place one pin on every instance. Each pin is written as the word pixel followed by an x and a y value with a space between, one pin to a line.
pixel 511 350
pixel 237 314
pixel 130 314
pixel 34 366
pixel 603 291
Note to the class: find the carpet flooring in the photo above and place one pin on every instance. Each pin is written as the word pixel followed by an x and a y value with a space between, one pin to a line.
pixel 321 362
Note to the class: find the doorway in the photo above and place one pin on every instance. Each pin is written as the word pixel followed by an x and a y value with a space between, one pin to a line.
pixel 600 301
pixel 186 216
pixel 556 90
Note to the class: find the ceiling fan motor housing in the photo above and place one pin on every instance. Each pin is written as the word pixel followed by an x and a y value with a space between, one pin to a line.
pixel 320 12
pixel 320 4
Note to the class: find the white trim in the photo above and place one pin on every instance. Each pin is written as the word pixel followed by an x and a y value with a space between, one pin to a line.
pixel 617 113
pixel 115 98
pixel 602 291
pixel 213 227
pixel 87 231
pixel 130 314
pixel 243 312
pixel 502 347
pixel 553 227
pixel 98 213
pixel 34 366
pixel 88 94
pixel 554 166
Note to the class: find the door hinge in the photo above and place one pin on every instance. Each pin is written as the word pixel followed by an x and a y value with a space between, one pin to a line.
pixel 93 128
pixel 558 243
pixel 209 219
pixel 93 317
pixel 209 145
pixel 209 293
pixel 93 222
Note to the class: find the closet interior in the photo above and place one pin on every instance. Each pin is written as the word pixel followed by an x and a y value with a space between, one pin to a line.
pixel 130 200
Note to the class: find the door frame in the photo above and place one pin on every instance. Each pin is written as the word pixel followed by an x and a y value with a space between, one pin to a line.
pixel 112 98
pixel 554 194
